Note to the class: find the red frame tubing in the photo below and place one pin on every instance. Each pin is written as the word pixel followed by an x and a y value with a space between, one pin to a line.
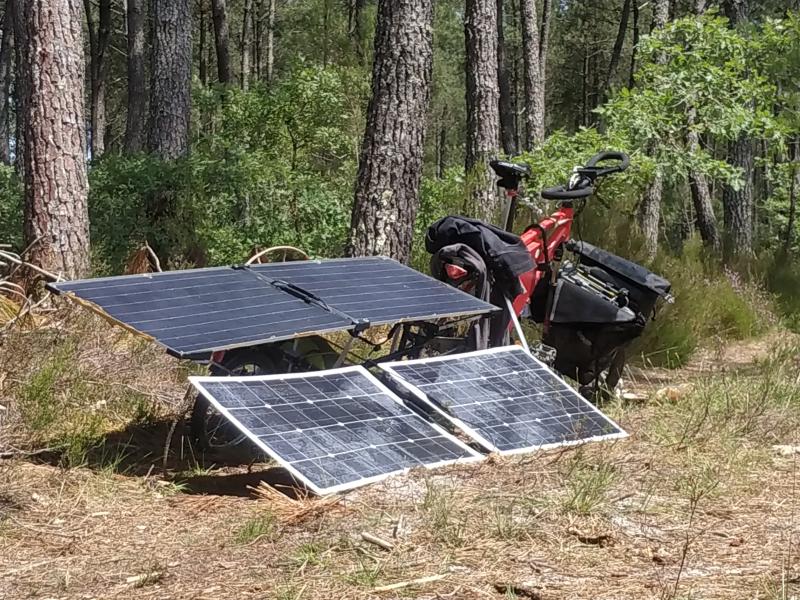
pixel 558 229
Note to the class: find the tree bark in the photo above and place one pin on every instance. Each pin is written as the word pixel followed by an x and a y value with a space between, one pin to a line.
pixel 170 110
pixel 50 78
pixel 390 165
pixel 220 16
pixel 136 124
pixel 201 50
pixel 508 112
pixel 616 53
pixel 649 211
pixel 270 39
pixel 534 82
pixel 794 189
pixel 483 101
pixel 544 42
pixel 635 44
pixel 738 203
pixel 99 43
pixel 245 46
pixel 701 195
pixel 6 76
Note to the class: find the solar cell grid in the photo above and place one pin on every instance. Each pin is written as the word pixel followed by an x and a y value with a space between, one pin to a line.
pixel 504 398
pixel 333 430
pixel 202 310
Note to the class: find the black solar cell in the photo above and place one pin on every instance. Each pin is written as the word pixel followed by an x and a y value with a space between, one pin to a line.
pixel 203 310
pixel 505 399
pixel 333 430
pixel 378 289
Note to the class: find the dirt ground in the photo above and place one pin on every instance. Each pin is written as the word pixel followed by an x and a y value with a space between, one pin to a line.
pixel 700 501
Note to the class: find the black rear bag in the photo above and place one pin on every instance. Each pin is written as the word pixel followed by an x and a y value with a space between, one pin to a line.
pixel 644 287
pixel 599 307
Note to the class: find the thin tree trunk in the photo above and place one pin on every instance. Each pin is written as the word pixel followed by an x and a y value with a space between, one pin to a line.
pixel 508 117
pixel 203 63
pixel 794 188
pixel 441 146
pixel 544 42
pixel 390 165
pixel 619 43
pixel 534 83
pixel 701 196
pixel 51 77
pixel 99 40
pixel 247 26
pixel 483 100
pixel 635 44
pixel 136 123
pixel 219 12
pixel 649 212
pixel 6 76
pixel 270 40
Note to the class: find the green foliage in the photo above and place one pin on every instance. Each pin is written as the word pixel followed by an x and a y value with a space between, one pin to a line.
pixel 260 526
pixel 587 485
pixel 10 207
pixel 709 305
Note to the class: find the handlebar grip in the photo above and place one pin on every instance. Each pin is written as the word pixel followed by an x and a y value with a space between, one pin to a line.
pixel 623 159
pixel 562 193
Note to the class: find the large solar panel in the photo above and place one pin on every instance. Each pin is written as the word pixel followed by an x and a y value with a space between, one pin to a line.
pixel 505 399
pixel 333 430
pixel 202 310
pixel 378 289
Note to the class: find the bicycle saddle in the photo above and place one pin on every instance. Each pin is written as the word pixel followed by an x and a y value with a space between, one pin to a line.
pixel 510 174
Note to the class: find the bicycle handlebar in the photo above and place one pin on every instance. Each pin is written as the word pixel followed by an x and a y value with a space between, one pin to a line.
pixel 583 183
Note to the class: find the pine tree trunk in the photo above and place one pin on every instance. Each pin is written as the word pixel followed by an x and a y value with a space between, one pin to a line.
pixel 794 189
pixel 6 76
pixel 738 203
pixel 634 44
pixel 136 124
pixel 201 50
pixel 220 15
pixel 170 109
pixel 483 102
pixel 619 43
pixel 50 78
pixel 649 212
pixel 270 40
pixel 508 116
pixel 390 165
pixel 701 195
pixel 247 26
pixel 534 82
pixel 99 41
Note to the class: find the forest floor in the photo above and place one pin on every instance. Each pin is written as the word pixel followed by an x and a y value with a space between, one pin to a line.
pixel 701 501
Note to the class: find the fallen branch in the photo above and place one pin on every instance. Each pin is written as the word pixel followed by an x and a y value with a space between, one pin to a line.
pixel 404 584
pixel 374 539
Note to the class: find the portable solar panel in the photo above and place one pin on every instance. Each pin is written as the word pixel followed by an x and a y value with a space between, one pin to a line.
pixel 505 399
pixel 333 430
pixel 202 310
pixel 378 289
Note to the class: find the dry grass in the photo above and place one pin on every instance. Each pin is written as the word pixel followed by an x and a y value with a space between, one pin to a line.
pixel 696 504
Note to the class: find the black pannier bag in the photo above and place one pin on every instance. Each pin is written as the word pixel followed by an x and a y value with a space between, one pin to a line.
pixel 589 321
pixel 644 287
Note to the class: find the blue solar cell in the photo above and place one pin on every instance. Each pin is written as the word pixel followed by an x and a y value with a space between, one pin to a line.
pixel 333 430
pixel 202 310
pixel 505 399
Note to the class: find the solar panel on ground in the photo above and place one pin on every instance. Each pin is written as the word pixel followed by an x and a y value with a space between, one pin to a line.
pixel 333 430
pixel 378 289
pixel 505 399
pixel 203 310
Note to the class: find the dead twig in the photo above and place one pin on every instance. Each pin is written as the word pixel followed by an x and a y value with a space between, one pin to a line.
pixel 374 539
pixel 410 582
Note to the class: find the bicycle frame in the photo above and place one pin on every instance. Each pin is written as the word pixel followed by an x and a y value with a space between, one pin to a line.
pixel 543 242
